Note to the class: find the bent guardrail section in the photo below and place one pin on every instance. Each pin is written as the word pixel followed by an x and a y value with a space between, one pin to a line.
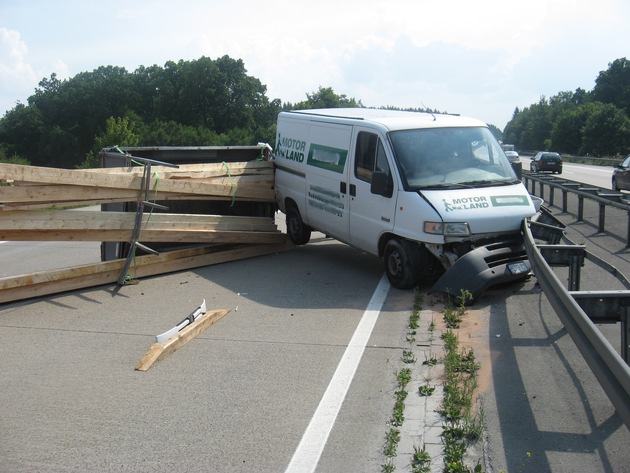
pixel 608 367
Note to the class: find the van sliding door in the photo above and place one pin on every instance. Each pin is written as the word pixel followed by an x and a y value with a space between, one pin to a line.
pixel 326 192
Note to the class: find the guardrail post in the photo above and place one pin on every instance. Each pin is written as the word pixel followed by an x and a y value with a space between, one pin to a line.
pixel 602 217
pixel 564 200
pixel 551 193
pixel 625 334
pixel 580 214
pixel 576 261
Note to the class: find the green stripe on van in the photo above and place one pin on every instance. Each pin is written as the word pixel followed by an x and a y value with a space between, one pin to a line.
pixel 326 157
pixel 509 200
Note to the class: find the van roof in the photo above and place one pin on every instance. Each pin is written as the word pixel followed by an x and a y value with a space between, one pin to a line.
pixel 391 119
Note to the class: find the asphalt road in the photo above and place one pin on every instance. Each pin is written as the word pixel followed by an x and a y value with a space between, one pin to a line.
pixel 599 176
pixel 237 398
pixel 240 397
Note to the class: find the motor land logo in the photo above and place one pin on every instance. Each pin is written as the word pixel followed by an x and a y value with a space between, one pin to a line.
pixel 466 203
pixel 482 202
pixel 291 149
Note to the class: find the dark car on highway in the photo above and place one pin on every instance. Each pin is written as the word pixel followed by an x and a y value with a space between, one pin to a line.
pixel 621 176
pixel 546 161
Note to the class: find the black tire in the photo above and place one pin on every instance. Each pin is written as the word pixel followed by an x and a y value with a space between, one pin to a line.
pixel 298 232
pixel 614 185
pixel 401 263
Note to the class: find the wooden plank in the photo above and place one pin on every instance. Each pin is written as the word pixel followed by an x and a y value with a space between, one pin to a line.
pixel 89 219
pixel 66 204
pixel 85 225
pixel 159 351
pixel 76 177
pixel 50 193
pixel 198 170
pixel 80 177
pixel 172 236
pixel 42 283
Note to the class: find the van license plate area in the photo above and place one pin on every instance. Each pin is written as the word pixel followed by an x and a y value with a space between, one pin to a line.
pixel 517 268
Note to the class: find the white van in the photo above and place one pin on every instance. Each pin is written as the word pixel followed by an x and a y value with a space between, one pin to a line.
pixel 425 192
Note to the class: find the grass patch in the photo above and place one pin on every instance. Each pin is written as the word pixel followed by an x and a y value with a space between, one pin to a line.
pixel 462 426
pixel 403 378
pixel 421 461
pixel 426 390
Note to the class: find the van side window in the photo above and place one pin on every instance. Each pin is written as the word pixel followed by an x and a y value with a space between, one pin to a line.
pixel 370 156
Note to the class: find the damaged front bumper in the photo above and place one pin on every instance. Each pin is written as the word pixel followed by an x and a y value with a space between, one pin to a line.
pixel 485 266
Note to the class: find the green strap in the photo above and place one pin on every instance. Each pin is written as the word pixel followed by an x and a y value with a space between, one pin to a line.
pixel 233 191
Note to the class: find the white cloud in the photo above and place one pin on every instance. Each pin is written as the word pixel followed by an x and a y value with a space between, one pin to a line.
pixel 480 58
pixel 14 68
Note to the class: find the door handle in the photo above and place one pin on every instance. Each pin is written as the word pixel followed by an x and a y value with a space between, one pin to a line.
pixel 353 190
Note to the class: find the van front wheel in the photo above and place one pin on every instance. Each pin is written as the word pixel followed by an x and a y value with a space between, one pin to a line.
pixel 399 259
pixel 298 232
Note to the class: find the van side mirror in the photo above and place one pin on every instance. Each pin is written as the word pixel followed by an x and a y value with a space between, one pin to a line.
pixel 382 184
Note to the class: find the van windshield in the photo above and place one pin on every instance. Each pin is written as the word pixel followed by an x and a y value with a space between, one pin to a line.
pixel 450 157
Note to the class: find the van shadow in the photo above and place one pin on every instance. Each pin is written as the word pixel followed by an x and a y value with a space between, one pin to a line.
pixel 322 274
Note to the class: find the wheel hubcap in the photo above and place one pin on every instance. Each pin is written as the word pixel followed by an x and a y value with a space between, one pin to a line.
pixel 394 263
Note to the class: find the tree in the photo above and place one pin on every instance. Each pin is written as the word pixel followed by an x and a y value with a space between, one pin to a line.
pixel 118 132
pixel 15 159
pixel 612 86
pixel 536 126
pixel 21 131
pixel 606 131
pixel 204 102
pixel 566 135
pixel 513 129
pixel 496 132
pixel 326 98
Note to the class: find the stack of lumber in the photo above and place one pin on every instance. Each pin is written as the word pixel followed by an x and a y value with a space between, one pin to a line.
pixel 40 187
pixel 34 188
pixel 34 204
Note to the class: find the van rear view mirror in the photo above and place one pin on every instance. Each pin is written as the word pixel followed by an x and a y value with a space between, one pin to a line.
pixel 382 184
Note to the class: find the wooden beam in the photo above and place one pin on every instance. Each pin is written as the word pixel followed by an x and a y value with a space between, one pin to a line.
pixel 94 220
pixel 159 351
pixel 78 177
pixel 85 225
pixel 172 236
pixel 198 170
pixel 41 283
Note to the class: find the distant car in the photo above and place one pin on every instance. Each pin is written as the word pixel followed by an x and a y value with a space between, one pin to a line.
pixel 512 156
pixel 546 161
pixel 621 175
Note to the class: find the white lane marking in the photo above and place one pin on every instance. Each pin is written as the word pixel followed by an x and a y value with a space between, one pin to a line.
pixel 311 446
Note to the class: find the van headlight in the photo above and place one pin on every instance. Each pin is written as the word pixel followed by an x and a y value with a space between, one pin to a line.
pixel 447 229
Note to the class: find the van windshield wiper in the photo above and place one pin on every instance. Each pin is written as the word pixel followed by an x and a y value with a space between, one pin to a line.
pixel 487 182
pixel 446 185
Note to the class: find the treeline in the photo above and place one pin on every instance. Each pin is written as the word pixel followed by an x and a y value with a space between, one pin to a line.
pixel 208 102
pixel 203 102
pixel 594 123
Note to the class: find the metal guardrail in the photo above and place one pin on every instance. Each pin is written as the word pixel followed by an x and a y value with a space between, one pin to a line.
pixel 578 309
pixel 604 197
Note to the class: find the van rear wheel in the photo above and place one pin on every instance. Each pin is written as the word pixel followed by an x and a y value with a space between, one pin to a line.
pixel 298 232
pixel 401 259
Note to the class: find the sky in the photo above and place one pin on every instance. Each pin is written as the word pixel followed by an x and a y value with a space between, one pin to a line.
pixel 481 58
